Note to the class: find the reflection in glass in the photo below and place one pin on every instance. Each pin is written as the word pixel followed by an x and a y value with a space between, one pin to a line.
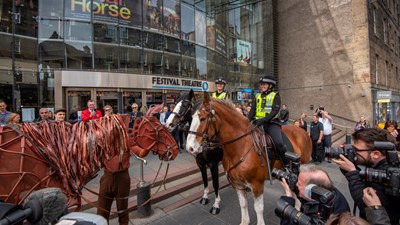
pixel 201 62
pixel 78 30
pixel 107 33
pixel 188 22
pixel 200 19
pixel 105 57
pixel 171 17
pixel 130 59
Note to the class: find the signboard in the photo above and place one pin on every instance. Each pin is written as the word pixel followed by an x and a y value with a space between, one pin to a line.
pixel 244 93
pixel 220 42
pixel 383 96
pixel 243 51
pixel 125 12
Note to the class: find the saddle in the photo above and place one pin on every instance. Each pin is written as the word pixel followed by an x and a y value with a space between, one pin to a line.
pixel 272 151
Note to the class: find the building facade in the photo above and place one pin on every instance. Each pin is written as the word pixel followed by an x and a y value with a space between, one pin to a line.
pixel 343 55
pixel 61 53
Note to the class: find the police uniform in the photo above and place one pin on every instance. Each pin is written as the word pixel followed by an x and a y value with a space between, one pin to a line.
pixel 265 109
pixel 220 95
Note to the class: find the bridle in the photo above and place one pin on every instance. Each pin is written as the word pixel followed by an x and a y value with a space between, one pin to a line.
pixel 181 116
pixel 212 142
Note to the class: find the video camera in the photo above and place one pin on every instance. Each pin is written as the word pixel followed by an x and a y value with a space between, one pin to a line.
pixel 324 198
pixel 390 177
pixel 289 174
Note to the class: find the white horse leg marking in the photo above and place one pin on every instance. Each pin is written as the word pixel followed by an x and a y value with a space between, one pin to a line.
pixel 205 193
pixel 243 207
pixel 192 146
pixel 217 201
pixel 259 208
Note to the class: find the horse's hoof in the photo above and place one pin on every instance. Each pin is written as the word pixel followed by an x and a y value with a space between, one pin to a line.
pixel 214 211
pixel 204 201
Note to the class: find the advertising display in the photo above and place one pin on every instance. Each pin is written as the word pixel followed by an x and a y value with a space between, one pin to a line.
pixel 124 12
pixel 244 93
pixel 220 41
pixel 164 17
pixel 243 51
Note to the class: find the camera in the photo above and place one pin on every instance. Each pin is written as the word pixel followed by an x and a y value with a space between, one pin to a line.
pixel 347 150
pixel 289 174
pixel 285 211
pixel 389 177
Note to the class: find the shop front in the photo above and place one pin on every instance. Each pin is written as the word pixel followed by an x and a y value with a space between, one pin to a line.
pixel 386 107
pixel 119 90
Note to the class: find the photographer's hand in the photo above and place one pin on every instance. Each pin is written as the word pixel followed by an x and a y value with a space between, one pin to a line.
pixel 344 164
pixel 285 186
pixel 370 197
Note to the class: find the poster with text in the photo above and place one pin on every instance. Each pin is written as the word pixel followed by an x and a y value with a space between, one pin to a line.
pixel 243 51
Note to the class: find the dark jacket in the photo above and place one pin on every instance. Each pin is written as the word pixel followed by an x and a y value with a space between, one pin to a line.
pixel 304 126
pixel 377 216
pixel 357 185
pixel 276 106
pixel 315 130
pixel 311 208
pixel 284 115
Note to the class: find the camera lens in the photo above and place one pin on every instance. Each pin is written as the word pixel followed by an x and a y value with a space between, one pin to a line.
pixel 288 212
pixel 333 152
pixel 373 175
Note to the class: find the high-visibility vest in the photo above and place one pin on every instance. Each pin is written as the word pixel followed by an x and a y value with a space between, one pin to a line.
pixel 269 99
pixel 221 96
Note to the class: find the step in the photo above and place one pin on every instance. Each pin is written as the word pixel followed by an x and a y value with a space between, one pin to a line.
pixel 162 194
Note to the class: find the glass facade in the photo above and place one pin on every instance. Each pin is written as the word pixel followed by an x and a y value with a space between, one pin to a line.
pixel 177 38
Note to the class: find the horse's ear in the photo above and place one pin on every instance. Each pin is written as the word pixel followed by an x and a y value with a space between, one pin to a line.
pixel 191 94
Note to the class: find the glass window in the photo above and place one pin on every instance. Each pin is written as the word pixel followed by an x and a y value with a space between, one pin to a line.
pixel 130 60
pixel 187 23
pixel 172 64
pixel 76 30
pixel 26 18
pixel 152 18
pixel 51 9
pixel 173 44
pixel 105 57
pixel 200 18
pixel 201 62
pixel 171 17
pixel 106 33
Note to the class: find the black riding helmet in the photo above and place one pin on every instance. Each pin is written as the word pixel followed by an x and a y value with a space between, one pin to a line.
pixel 220 80
pixel 268 80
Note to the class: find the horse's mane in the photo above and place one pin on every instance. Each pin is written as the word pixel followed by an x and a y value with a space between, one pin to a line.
pixel 228 104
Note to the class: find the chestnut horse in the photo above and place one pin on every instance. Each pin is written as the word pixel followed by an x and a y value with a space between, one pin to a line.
pixel 244 158
pixel 53 154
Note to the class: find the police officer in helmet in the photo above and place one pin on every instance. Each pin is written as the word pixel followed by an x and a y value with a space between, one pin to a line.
pixel 220 93
pixel 265 110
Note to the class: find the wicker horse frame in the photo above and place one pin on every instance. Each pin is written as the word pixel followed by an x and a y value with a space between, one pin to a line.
pixel 24 167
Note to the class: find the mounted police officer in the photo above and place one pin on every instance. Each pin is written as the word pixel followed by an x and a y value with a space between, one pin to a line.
pixel 265 109
pixel 220 93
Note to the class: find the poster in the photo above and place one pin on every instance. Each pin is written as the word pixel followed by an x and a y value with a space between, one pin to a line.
pixel 243 51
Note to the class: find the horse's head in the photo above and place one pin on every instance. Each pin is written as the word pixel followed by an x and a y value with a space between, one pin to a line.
pixel 182 112
pixel 203 128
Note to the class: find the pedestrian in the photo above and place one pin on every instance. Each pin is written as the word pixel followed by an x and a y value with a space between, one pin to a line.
pixel 363 123
pixel 303 122
pixel 4 114
pixel 73 117
pixel 391 126
pixel 163 115
pixel 296 123
pixel 316 134
pixel 327 121
pixel 44 115
pixel 108 110
pixel 59 115
pixel 284 115
pixel 91 113
pixel 134 114
pixel 14 119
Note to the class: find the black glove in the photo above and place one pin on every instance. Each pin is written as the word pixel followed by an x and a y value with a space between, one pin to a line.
pixel 259 122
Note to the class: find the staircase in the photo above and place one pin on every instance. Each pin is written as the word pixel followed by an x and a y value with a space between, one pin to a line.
pixel 338 137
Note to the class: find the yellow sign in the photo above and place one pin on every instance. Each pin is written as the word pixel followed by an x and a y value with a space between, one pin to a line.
pixel 383 100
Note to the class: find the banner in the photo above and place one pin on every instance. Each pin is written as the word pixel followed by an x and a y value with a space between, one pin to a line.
pixel 220 42
pixel 243 51
pixel 124 12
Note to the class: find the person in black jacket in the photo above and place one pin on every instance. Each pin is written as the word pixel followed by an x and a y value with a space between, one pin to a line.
pixel 311 174
pixel 375 213
pixel 369 156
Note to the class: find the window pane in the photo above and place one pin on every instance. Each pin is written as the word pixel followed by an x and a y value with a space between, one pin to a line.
pixel 188 22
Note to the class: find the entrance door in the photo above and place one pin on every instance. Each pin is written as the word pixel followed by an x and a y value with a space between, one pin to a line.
pixel 107 97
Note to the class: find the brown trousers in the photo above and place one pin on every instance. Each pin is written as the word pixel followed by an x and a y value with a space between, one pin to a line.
pixel 114 185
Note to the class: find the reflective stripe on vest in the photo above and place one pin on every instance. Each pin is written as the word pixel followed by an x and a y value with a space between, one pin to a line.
pixel 262 112
pixel 221 96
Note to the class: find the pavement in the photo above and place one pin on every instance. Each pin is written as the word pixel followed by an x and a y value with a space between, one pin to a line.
pixel 174 205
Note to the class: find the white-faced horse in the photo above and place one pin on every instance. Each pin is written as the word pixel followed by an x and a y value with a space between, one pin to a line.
pixel 244 158
pixel 182 114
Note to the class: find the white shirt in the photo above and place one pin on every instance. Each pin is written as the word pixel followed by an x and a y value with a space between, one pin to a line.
pixel 327 125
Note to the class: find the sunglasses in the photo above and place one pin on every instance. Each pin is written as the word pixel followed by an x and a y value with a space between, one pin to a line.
pixel 134 107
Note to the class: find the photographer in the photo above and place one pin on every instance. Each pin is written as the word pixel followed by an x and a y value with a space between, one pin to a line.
pixel 375 213
pixel 310 174
pixel 371 157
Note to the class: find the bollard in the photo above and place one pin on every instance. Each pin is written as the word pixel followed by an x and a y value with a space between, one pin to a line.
pixel 348 139
pixel 143 195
